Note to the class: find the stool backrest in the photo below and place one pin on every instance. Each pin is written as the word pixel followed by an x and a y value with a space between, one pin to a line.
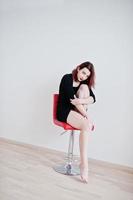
pixel 55 102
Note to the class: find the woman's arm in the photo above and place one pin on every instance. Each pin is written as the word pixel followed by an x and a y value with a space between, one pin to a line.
pixel 82 110
pixel 89 100
pixel 66 87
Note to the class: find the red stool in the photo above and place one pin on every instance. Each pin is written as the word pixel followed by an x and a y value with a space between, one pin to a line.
pixel 70 167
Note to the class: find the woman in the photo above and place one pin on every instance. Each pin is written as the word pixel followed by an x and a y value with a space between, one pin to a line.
pixel 75 93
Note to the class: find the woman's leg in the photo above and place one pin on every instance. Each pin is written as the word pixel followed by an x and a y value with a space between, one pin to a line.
pixel 83 92
pixel 76 120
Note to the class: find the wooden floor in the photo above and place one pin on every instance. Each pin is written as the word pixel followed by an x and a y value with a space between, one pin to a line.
pixel 26 173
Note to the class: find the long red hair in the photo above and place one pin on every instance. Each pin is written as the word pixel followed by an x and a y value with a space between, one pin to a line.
pixel 91 79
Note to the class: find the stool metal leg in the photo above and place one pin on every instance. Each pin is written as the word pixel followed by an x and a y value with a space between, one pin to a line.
pixel 70 148
pixel 70 168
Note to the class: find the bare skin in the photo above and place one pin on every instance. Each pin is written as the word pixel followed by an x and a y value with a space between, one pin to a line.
pixel 79 119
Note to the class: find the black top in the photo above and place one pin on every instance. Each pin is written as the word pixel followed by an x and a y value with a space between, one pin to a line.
pixel 67 92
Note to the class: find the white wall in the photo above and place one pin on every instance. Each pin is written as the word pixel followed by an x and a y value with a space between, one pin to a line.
pixel 42 40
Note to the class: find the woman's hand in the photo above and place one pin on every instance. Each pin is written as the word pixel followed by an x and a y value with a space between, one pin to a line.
pixel 86 115
pixel 76 101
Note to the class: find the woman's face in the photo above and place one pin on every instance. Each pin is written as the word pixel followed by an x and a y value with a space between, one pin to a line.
pixel 83 74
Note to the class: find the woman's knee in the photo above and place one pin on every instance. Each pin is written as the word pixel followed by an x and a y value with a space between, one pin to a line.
pixel 83 89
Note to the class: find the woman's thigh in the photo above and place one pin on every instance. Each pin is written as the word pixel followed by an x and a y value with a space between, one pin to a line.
pixel 76 120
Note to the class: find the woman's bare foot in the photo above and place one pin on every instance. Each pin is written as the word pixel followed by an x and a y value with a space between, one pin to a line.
pixel 84 173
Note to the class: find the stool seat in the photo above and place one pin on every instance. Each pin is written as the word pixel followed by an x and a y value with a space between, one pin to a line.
pixel 64 125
